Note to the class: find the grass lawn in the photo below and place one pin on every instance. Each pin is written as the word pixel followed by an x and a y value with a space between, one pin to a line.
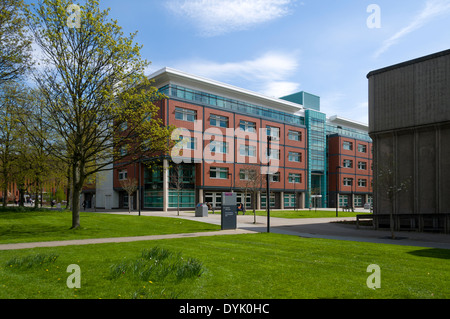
pixel 27 225
pixel 236 266
pixel 252 266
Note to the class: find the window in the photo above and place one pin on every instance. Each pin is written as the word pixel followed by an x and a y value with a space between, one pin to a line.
pixel 362 182
pixel 348 146
pixel 295 157
pixel 295 136
pixel 362 165
pixel 289 200
pixel 273 131
pixel 247 150
pixel 218 172
pixel 123 174
pixel 123 126
pixel 246 174
pixel 362 148
pixel 348 181
pixel 185 114
pixel 218 147
pixel 219 121
pixel 295 178
pixel 190 144
pixel 348 163
pixel 247 126
pixel 273 178
pixel 274 154
pixel 123 151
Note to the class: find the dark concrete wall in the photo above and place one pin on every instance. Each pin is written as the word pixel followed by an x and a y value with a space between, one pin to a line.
pixel 409 122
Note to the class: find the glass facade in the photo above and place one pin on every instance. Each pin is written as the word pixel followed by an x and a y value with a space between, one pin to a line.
pixel 181 186
pixel 317 167
pixel 179 92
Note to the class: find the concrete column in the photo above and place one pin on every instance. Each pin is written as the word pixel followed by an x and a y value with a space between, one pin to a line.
pixel 258 201
pixel 200 195
pixel 165 185
pixel 281 200
pixel 302 200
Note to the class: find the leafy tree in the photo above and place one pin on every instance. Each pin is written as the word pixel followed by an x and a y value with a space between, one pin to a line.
pixel 97 98
pixel 15 45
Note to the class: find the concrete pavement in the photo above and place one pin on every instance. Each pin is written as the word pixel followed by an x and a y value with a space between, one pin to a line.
pixel 328 228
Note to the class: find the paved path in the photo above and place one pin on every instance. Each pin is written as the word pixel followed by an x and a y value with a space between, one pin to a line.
pixel 328 228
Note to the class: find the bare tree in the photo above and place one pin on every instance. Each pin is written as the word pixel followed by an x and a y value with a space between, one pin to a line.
pixel 130 185
pixel 386 183
pixel 251 182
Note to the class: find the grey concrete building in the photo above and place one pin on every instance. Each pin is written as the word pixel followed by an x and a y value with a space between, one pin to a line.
pixel 409 122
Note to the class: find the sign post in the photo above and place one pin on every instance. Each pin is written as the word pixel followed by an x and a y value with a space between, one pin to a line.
pixel 229 211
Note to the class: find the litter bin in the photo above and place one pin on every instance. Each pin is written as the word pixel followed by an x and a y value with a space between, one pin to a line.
pixel 201 210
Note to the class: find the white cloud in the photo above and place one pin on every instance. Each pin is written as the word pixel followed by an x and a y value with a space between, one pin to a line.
pixel 433 9
pixel 268 74
pixel 216 17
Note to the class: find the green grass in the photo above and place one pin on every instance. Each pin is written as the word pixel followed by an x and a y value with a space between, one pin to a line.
pixel 238 266
pixel 249 266
pixel 27 225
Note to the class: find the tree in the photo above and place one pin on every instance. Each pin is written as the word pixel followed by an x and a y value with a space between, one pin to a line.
pixel 387 184
pixel 130 185
pixel 11 95
pixel 252 182
pixel 97 98
pixel 15 45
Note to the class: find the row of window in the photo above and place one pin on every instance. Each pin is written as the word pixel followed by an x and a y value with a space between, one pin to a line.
pixel 349 147
pixel 222 147
pixel 349 164
pixel 349 182
pixel 248 174
pixel 222 121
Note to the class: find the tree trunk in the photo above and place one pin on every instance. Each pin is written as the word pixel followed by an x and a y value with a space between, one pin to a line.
pixel 77 185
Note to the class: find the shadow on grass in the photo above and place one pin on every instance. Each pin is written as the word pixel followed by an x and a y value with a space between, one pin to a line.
pixel 432 253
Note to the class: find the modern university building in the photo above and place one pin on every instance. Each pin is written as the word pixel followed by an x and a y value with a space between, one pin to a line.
pixel 226 132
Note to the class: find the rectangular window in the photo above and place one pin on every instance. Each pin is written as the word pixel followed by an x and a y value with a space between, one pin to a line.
pixel 218 147
pixel 348 146
pixel 185 114
pixel 123 151
pixel 247 150
pixel 362 165
pixel 189 143
pixel 348 163
pixel 218 172
pixel 273 131
pixel 219 121
pixel 362 182
pixel 295 157
pixel 247 126
pixel 274 177
pixel 295 178
pixel 123 175
pixel 348 181
pixel 295 136
pixel 274 154
pixel 362 148
pixel 247 174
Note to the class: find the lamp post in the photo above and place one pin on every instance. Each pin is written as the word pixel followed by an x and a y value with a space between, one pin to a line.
pixel 337 191
pixel 269 139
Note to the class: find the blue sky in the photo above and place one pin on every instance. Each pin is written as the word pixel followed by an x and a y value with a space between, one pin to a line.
pixel 279 47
